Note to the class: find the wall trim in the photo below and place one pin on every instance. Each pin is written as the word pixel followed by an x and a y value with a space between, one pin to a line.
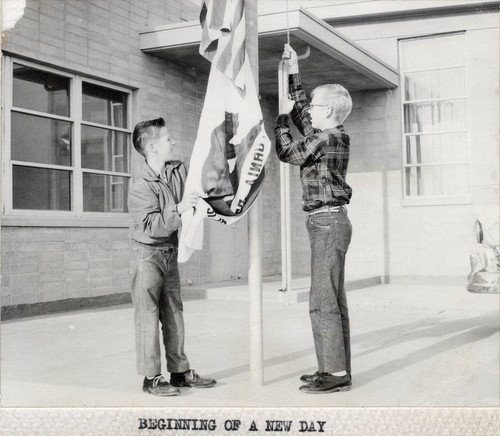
pixel 20 311
pixel 459 281
pixel 43 63
pixel 68 221
pixel 70 304
pixel 354 15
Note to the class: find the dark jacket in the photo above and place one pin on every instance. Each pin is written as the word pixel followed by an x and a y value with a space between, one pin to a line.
pixel 153 205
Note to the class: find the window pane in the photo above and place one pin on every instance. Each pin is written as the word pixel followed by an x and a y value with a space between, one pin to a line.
pixel 104 149
pixel 435 84
pixel 40 140
pixel 449 50
pixel 104 193
pixel 425 149
pixel 434 79
pixel 434 116
pixel 41 188
pixel 104 106
pixel 435 52
pixel 437 180
pixel 40 91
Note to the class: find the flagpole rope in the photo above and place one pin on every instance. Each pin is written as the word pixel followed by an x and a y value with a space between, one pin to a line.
pixel 287 25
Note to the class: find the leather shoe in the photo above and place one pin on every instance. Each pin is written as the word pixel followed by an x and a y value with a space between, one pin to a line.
pixel 327 383
pixel 309 378
pixel 159 386
pixel 190 379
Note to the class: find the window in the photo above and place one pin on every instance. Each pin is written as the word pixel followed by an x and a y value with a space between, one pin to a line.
pixel 67 142
pixel 435 150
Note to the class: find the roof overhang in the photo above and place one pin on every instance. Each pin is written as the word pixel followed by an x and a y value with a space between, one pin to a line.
pixel 333 57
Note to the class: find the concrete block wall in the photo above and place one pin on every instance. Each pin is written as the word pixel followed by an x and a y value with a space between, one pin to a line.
pixel 427 243
pixel 98 39
pixel 48 264
pixel 373 128
pixel 270 197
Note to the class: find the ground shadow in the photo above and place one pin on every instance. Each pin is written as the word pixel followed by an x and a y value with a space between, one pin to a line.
pixel 465 331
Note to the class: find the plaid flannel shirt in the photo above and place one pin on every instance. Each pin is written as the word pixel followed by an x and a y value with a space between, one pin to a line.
pixel 323 156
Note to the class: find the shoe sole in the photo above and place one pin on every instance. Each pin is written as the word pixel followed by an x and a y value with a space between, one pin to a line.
pixel 172 394
pixel 327 391
pixel 187 385
pixel 310 378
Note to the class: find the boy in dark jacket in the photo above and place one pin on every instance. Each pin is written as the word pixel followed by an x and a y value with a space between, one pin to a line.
pixel 156 201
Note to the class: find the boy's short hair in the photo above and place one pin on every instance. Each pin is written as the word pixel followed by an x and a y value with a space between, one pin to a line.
pixel 337 97
pixel 145 132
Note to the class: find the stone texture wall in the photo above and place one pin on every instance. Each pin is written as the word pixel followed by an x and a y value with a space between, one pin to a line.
pixel 100 39
pixel 48 264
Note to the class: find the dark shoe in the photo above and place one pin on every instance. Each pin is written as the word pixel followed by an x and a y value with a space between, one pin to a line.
pixel 191 379
pixel 327 383
pixel 159 386
pixel 309 378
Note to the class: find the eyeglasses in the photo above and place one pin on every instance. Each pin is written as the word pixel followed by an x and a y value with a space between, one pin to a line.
pixel 318 105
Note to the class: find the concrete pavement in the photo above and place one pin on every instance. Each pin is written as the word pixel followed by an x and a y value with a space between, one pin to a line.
pixel 412 345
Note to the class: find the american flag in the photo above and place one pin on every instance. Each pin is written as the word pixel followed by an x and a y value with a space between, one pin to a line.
pixel 223 36
pixel 231 147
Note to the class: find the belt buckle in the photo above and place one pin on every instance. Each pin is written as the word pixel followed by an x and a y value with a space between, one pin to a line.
pixel 319 210
pixel 333 209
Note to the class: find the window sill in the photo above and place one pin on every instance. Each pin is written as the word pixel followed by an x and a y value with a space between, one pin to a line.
pixel 436 201
pixel 42 220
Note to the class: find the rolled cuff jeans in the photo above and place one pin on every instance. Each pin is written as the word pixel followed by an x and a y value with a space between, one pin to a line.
pixel 330 234
pixel 156 295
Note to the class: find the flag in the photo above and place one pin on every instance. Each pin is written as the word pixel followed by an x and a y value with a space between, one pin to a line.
pixel 223 37
pixel 231 147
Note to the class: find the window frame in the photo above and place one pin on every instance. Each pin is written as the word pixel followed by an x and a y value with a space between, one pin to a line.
pixel 76 216
pixel 429 200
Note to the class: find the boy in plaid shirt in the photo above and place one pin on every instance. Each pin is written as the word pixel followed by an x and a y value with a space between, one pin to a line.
pixel 323 156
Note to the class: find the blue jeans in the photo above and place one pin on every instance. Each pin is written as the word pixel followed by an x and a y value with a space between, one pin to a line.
pixel 156 295
pixel 330 234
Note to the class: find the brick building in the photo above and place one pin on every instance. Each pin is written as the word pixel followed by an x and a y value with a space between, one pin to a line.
pixel 78 74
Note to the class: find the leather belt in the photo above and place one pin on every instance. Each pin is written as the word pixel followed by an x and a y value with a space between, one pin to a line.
pixel 330 209
pixel 155 247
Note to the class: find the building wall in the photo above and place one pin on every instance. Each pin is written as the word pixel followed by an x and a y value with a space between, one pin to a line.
pixel 98 39
pixel 48 264
pixel 374 128
pixel 101 39
pixel 429 242
pixel 270 198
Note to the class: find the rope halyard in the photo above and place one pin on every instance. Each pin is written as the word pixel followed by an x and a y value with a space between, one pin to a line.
pixel 287 25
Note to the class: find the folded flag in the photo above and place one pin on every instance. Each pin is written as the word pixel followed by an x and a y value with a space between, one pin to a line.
pixel 231 147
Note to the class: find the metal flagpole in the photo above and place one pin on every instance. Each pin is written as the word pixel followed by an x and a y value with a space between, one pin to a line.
pixel 286 226
pixel 254 223
pixel 286 231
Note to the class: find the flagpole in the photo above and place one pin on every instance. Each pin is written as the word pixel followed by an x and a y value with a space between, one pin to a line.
pixel 254 223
